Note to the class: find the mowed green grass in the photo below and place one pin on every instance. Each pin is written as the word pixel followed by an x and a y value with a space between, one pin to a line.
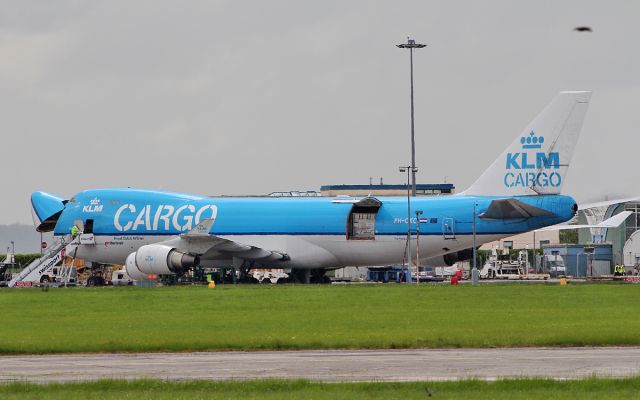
pixel 258 317
pixel 272 389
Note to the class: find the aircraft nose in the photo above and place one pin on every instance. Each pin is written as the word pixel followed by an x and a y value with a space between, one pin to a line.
pixel 44 205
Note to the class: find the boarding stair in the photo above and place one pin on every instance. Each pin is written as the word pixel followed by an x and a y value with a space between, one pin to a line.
pixel 32 272
pixel 68 274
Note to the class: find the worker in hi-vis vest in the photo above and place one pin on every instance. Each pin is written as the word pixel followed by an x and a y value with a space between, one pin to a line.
pixel 617 270
pixel 75 231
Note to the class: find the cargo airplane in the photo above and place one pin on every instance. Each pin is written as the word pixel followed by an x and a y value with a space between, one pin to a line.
pixel 157 232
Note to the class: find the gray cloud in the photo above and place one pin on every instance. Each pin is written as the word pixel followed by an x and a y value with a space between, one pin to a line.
pixel 242 97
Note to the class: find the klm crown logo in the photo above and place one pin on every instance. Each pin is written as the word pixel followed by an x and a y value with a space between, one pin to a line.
pixel 532 168
pixel 532 141
pixel 94 206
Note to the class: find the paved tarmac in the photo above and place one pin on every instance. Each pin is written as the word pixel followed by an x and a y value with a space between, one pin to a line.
pixel 331 365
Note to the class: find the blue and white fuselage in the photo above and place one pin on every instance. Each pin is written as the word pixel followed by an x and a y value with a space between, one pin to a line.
pixel 311 231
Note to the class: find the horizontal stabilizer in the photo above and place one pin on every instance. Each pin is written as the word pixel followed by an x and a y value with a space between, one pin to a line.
pixel 512 209
pixel 612 222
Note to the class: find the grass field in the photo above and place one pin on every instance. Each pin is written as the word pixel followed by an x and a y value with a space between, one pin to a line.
pixel 157 390
pixel 258 317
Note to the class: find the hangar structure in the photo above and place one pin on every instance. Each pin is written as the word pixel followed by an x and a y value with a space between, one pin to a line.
pixel 624 240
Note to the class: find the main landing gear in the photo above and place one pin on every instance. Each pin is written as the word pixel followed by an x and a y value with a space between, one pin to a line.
pixel 308 276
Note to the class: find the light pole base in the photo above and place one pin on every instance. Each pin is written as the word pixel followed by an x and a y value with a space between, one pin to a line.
pixel 475 276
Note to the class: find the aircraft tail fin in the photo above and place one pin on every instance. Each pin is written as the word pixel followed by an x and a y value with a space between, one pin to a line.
pixel 538 159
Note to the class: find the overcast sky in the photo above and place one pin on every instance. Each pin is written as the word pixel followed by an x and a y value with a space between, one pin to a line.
pixel 250 97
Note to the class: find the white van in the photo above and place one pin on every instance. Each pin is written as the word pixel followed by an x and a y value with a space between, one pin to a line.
pixel 121 278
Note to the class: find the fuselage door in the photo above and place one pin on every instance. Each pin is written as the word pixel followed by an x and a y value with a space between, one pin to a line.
pixel 361 224
pixel 87 237
pixel 88 226
pixel 448 228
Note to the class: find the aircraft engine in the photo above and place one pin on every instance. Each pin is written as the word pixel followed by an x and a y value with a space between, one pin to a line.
pixel 451 258
pixel 160 260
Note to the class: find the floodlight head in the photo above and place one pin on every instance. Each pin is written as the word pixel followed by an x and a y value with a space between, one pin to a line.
pixel 411 44
pixel 402 169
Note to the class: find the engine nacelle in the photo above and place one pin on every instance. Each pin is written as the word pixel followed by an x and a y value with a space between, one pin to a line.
pixel 159 260
pixel 451 258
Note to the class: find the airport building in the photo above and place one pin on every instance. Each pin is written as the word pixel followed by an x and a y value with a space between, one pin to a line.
pixel 599 249
pixel 422 189
pixel 579 260
pixel 527 240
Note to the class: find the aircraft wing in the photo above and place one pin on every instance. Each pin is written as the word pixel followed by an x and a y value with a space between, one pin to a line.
pixel 606 203
pixel 512 209
pixel 211 247
pixel 612 222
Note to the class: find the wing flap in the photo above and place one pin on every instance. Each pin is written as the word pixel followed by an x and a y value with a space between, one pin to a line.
pixel 212 247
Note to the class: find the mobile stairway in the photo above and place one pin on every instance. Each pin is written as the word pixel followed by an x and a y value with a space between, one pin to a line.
pixel 33 272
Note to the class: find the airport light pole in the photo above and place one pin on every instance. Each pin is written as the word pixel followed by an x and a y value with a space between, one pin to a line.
pixel 411 44
pixel 474 271
pixel 535 266
pixel 408 170
pixel 418 214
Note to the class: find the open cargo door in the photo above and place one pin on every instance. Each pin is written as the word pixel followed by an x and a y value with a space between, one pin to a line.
pixel 361 223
